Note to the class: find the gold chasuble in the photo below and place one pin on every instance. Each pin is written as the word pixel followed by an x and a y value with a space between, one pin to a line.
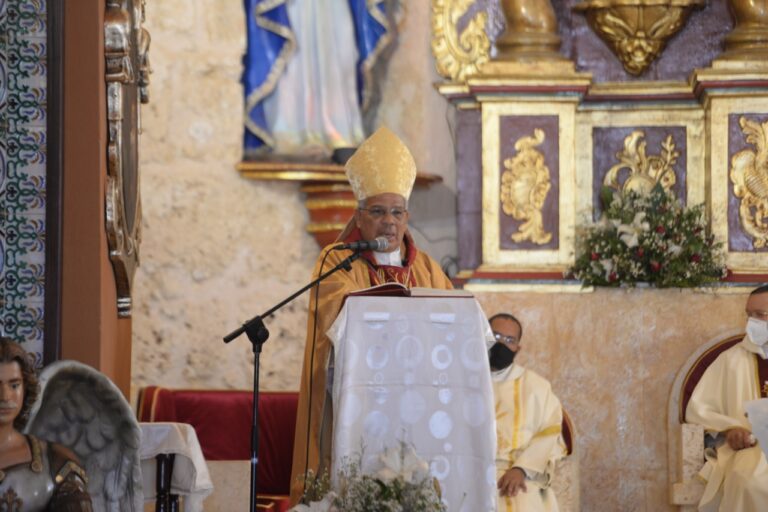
pixel 314 415
pixel 529 421
pixel 736 480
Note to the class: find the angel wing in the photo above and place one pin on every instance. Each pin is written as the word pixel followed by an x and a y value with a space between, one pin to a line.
pixel 83 410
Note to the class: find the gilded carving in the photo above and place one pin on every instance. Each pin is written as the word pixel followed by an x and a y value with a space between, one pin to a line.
pixel 749 175
pixel 531 33
pixel 525 184
pixel 458 55
pixel 637 31
pixel 749 38
pixel 126 51
pixel 644 171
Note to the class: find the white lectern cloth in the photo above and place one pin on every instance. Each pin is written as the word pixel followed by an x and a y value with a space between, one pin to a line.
pixel 415 369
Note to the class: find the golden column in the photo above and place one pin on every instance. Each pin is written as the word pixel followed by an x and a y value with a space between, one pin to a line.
pixel 531 34
pixel 749 38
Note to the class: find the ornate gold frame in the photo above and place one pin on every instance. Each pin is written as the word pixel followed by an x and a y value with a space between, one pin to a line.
pixel 721 106
pixel 692 118
pixel 495 258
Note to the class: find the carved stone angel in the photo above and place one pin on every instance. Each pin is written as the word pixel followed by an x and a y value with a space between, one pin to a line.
pixel 34 474
pixel 82 409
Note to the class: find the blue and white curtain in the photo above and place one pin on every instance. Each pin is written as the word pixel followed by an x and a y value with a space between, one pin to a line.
pixel 308 72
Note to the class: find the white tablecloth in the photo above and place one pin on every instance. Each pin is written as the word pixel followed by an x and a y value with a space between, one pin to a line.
pixel 416 370
pixel 190 477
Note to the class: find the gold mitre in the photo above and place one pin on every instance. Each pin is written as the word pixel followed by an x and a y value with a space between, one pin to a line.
pixel 381 164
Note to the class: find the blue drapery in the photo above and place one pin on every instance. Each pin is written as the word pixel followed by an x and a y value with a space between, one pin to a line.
pixel 271 44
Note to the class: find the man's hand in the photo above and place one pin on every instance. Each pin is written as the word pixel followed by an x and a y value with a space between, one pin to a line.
pixel 739 438
pixel 512 482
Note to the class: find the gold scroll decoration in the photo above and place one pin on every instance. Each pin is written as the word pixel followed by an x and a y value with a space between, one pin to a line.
pixel 637 31
pixel 525 184
pixel 749 175
pixel 644 171
pixel 458 55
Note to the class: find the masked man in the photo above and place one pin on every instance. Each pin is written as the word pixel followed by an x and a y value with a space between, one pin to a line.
pixel 528 425
pixel 382 173
pixel 34 474
pixel 736 473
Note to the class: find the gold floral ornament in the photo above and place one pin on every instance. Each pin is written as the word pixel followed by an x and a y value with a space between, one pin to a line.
pixel 644 171
pixel 524 187
pixel 749 175
pixel 458 55
pixel 637 30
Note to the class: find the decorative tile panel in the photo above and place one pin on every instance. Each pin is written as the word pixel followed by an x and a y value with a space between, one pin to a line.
pixel 23 100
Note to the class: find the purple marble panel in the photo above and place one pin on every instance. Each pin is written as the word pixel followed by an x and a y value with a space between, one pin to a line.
pixel 738 239
pixel 700 41
pixel 469 188
pixel 607 142
pixel 511 129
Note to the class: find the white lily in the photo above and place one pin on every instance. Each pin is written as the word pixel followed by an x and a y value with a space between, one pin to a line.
pixel 402 462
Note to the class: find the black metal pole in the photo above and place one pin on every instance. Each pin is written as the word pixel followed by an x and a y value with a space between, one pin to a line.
pixel 258 334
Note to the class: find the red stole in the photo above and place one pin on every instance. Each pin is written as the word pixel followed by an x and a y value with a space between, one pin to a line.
pixel 381 274
pixel 762 375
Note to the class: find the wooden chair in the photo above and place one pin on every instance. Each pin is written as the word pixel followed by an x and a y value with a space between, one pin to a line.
pixel 566 481
pixel 686 441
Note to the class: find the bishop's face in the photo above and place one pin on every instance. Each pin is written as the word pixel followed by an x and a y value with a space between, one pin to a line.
pixel 11 392
pixel 383 215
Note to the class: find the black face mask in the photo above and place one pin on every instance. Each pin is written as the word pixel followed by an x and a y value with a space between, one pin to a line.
pixel 500 356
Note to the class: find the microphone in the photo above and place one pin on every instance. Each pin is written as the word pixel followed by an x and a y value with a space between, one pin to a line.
pixel 379 244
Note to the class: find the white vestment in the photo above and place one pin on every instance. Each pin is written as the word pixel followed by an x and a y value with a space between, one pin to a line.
pixel 736 480
pixel 529 436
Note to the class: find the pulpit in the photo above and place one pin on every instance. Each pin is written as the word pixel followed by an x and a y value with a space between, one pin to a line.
pixel 415 370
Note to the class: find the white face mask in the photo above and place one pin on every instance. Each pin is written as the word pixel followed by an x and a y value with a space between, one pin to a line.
pixel 757 330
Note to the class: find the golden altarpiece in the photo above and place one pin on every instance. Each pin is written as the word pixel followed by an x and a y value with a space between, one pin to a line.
pixel 557 99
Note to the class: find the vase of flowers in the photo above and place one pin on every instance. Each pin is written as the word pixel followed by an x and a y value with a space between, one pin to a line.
pixel 651 239
pixel 402 483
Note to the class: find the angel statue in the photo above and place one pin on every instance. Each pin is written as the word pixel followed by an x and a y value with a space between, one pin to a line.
pixel 78 423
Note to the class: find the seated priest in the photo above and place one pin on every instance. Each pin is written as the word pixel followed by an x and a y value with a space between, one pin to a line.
pixel 529 421
pixel 34 474
pixel 382 173
pixel 736 471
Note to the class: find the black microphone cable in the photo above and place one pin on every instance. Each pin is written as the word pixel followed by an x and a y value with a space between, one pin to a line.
pixel 312 372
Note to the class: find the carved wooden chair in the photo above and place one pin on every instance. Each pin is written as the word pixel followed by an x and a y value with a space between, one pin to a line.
pixel 566 480
pixel 685 449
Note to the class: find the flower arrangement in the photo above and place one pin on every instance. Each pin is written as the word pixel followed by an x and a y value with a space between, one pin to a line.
pixel 401 484
pixel 648 238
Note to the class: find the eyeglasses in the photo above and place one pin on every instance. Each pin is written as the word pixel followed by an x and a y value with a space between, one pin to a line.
pixel 759 315
pixel 508 340
pixel 378 212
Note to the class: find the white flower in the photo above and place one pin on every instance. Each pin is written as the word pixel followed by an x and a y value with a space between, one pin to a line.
pixel 402 462
pixel 674 250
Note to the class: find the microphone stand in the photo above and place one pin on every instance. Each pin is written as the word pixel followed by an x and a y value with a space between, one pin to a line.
pixel 258 334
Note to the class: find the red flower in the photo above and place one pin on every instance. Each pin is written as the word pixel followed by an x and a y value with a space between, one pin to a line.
pixel 655 266
pixel 660 229
pixel 594 256
pixel 612 277
pixel 640 252
pixel 696 258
